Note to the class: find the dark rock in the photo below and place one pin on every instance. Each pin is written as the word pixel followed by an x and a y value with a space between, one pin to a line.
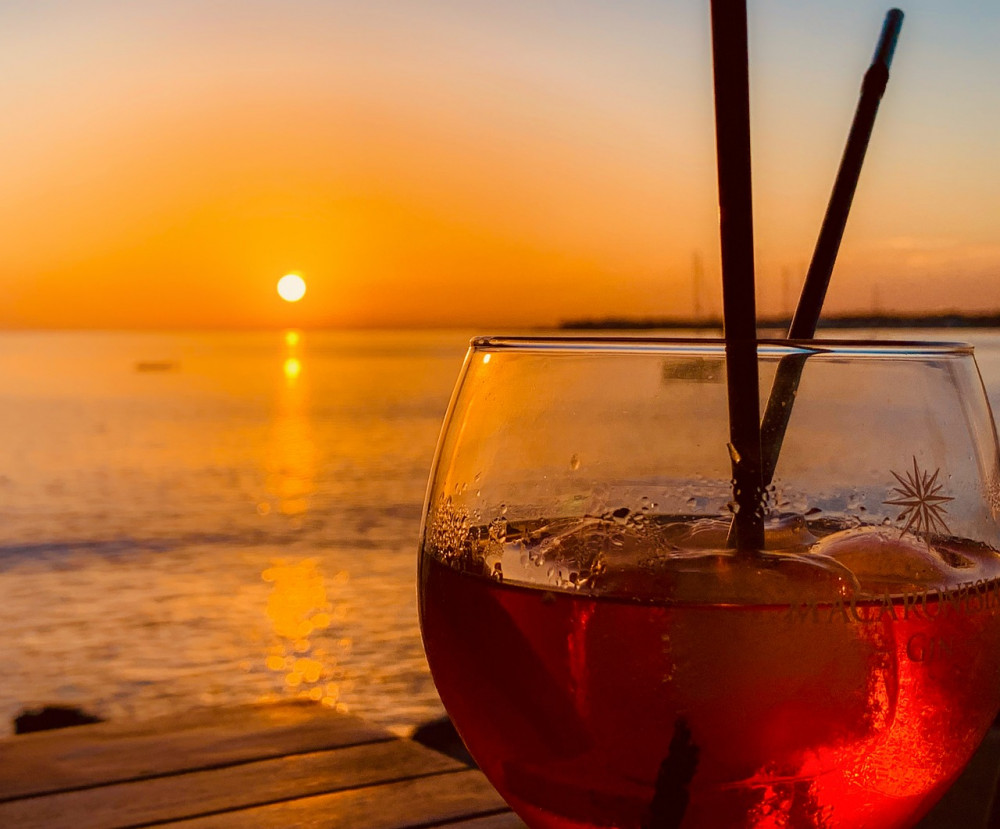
pixel 441 735
pixel 52 716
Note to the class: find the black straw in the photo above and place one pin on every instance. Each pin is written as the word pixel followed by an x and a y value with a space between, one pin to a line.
pixel 732 135
pixel 828 244
pixel 803 327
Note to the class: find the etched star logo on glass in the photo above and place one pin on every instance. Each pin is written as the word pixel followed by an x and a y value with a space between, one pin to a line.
pixel 919 496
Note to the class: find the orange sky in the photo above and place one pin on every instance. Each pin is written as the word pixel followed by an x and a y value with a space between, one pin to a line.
pixel 447 163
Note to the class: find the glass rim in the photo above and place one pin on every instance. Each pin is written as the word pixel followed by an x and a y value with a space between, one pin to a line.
pixel 716 346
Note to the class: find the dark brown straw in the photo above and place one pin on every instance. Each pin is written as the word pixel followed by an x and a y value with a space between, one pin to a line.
pixel 732 136
pixel 828 244
pixel 803 327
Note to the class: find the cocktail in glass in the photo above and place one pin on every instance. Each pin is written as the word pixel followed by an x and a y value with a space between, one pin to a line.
pixel 610 659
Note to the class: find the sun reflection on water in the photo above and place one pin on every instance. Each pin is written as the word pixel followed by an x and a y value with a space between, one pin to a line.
pixel 292 369
pixel 299 608
pixel 290 462
pixel 300 612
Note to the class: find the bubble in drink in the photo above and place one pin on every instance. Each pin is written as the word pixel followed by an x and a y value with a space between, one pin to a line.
pixel 808 686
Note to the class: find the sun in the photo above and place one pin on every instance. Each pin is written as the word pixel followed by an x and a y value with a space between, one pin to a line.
pixel 291 287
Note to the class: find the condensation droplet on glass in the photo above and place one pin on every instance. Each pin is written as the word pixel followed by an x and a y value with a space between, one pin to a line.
pixel 733 454
pixel 574 462
pixel 855 502
pixel 692 502
pixel 503 509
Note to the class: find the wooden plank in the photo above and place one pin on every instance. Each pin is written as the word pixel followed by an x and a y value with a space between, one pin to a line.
pixel 505 820
pixel 222 789
pixel 409 803
pixel 89 755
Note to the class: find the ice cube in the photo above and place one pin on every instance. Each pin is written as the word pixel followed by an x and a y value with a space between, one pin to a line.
pixel 882 560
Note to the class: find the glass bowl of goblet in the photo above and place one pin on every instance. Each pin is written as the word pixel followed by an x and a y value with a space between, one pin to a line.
pixel 611 658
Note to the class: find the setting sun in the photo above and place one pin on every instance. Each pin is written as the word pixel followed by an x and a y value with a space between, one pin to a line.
pixel 291 287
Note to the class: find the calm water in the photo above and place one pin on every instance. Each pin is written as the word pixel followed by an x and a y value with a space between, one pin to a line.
pixel 191 519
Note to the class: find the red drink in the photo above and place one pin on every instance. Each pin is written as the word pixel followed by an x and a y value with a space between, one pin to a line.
pixel 613 696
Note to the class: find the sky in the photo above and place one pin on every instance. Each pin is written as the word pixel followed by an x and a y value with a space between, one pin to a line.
pixel 465 163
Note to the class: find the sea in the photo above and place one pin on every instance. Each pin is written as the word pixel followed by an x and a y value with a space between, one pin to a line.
pixel 212 518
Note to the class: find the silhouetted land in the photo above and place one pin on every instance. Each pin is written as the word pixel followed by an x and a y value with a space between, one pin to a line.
pixel 945 320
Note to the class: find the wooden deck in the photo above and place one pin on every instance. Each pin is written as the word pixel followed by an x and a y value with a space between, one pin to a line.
pixel 289 765
pixel 279 765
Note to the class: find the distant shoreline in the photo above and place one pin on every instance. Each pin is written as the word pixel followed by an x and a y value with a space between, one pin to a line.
pixel 948 320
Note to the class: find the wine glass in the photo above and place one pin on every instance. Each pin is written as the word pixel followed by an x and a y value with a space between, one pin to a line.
pixel 610 660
